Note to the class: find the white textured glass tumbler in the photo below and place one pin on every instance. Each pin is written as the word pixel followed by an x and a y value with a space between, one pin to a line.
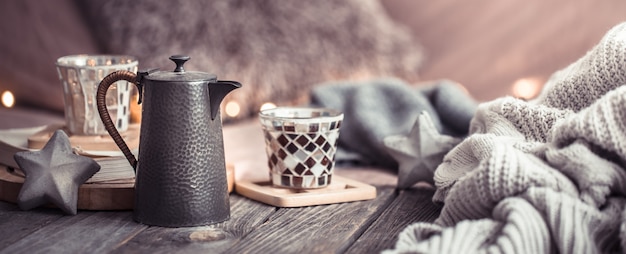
pixel 301 145
pixel 80 76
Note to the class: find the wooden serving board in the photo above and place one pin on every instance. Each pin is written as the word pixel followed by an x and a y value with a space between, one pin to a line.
pixel 112 195
pixel 87 142
pixel 95 196
pixel 340 190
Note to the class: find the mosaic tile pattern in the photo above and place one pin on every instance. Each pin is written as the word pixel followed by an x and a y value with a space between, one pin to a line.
pixel 301 145
pixel 80 76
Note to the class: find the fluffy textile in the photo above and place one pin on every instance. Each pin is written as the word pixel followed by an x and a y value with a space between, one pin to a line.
pixel 541 176
pixel 277 49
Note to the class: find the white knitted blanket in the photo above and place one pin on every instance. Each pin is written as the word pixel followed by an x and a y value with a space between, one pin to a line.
pixel 540 176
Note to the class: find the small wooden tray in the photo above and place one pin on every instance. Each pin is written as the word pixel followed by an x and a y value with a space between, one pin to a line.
pixel 116 195
pixel 112 195
pixel 340 190
pixel 88 143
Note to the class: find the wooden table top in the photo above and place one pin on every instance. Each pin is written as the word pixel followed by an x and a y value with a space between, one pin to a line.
pixel 354 227
pixel 254 227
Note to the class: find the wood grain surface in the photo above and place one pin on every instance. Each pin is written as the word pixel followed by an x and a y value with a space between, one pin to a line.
pixel 340 190
pixel 111 195
pixel 254 227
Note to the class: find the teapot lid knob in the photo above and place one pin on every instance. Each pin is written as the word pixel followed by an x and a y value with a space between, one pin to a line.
pixel 179 74
pixel 179 60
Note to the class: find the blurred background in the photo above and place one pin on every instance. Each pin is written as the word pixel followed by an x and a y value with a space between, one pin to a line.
pixel 280 49
pixel 491 46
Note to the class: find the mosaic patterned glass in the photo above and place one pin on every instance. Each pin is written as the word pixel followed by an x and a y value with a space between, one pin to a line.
pixel 301 145
pixel 80 76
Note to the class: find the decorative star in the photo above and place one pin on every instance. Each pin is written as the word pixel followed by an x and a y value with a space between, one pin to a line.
pixel 53 174
pixel 419 153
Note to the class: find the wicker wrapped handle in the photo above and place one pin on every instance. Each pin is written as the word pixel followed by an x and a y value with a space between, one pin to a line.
pixel 104 113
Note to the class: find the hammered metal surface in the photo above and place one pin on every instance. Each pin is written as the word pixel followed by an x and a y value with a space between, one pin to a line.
pixel 181 173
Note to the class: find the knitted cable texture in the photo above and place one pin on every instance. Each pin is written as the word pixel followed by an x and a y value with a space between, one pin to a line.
pixel 602 69
pixel 533 122
pixel 540 176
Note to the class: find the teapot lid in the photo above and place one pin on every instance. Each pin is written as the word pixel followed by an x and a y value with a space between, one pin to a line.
pixel 179 74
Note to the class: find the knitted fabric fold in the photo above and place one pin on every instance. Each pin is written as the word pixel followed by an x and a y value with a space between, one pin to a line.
pixel 540 176
pixel 540 220
pixel 581 83
pixel 507 172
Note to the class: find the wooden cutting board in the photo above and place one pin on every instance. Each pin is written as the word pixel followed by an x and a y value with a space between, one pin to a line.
pixel 112 195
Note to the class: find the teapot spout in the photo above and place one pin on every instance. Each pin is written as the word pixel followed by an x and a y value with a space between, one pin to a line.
pixel 217 92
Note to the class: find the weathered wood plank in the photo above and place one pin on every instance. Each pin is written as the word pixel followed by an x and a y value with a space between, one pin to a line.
pixel 253 228
pixel 316 229
pixel 246 216
pixel 412 205
pixel 86 232
pixel 15 223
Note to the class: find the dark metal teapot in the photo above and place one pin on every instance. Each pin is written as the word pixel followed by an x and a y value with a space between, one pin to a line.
pixel 180 172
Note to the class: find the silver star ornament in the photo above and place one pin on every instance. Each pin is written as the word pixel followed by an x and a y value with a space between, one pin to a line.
pixel 419 153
